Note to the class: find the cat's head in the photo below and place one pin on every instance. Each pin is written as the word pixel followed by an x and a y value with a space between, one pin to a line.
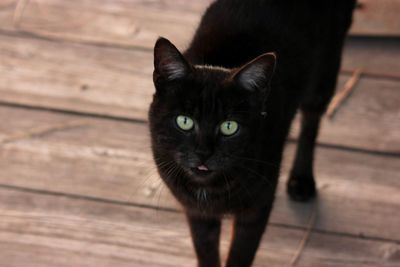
pixel 205 119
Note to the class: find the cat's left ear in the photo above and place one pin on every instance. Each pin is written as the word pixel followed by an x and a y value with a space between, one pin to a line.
pixel 257 74
pixel 169 63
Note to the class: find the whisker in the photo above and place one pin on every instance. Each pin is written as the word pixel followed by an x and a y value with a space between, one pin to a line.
pixel 254 160
pixel 228 185
pixel 174 170
pixel 258 175
pixel 149 174
pixel 238 195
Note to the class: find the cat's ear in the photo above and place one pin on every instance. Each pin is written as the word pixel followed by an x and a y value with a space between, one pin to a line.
pixel 169 63
pixel 257 74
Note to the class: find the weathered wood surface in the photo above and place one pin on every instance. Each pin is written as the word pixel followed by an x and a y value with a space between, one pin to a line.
pixel 134 23
pixel 139 23
pixel 80 191
pixel 376 55
pixel 369 119
pixel 75 77
pixel 378 18
pixel 113 22
pixel 111 160
pixel 44 230
pixel 110 81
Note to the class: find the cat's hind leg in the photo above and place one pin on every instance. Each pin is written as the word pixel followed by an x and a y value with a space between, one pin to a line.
pixel 301 184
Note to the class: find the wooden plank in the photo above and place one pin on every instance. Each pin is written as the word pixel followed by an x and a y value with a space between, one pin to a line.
pixel 58 231
pixel 378 18
pixel 135 23
pixel 121 22
pixel 376 55
pixel 139 23
pixel 75 77
pixel 111 160
pixel 117 82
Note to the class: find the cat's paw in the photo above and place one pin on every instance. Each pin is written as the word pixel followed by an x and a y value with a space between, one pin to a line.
pixel 301 188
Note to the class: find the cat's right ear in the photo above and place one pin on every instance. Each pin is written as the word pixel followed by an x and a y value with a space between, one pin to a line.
pixel 169 63
pixel 257 74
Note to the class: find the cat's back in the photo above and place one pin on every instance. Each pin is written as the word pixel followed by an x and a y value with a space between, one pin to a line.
pixel 233 32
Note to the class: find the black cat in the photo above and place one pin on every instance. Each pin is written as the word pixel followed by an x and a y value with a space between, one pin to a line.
pixel 222 111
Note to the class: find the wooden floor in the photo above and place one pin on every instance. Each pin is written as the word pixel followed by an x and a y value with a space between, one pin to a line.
pixel 77 183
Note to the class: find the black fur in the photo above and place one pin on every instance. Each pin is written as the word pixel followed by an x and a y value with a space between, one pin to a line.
pixel 259 90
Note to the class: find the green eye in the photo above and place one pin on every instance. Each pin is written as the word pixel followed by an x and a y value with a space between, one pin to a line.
pixel 184 122
pixel 229 127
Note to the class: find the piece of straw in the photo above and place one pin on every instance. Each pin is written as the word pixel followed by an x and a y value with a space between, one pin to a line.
pixel 343 93
pixel 306 236
pixel 19 11
pixel 373 74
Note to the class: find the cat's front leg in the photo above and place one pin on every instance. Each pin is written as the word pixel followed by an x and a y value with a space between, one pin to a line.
pixel 247 232
pixel 205 235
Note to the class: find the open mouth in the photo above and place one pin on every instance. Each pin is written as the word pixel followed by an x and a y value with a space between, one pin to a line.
pixel 201 170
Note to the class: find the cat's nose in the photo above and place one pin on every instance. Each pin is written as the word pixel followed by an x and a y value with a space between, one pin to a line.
pixel 203 154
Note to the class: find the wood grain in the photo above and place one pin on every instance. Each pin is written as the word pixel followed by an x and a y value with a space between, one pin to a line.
pixel 115 82
pixel 81 191
pixel 111 160
pixel 125 23
pixel 42 230
pixel 135 23
pixel 75 77
pixel 377 18
pixel 377 55
pixel 138 23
